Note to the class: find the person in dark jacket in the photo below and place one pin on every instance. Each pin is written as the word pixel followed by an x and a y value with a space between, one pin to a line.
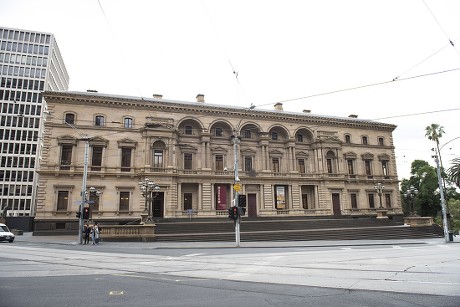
pixel 87 232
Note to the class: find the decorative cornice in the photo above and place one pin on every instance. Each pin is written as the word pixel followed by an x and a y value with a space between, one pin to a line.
pixel 213 110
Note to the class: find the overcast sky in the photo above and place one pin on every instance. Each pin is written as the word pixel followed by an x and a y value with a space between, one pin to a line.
pixel 295 52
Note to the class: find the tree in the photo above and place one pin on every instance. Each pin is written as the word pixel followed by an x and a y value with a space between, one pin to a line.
pixel 434 132
pixel 424 178
pixel 454 172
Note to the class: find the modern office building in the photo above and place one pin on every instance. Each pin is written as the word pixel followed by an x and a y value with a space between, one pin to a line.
pixel 289 163
pixel 30 63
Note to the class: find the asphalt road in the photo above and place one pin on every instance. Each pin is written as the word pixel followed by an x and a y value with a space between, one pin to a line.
pixel 407 274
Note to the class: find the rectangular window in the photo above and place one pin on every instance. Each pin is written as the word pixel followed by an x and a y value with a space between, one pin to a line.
pixel 388 200
pixel 66 157
pixel 96 159
pixel 124 201
pixel 247 134
pixel 99 121
pixel 63 200
pixel 188 130
pixel 351 170
pixel 371 201
pixel 158 158
pixel 367 166
pixel 385 168
pixel 219 132
pixel 276 165
pixel 274 136
pixel 381 141
pixel 128 122
pixel 247 164
pixel 364 140
pixel 301 165
pixel 126 159
pixel 70 118
pixel 219 163
pixel 329 165
pixel 188 159
pixel 354 200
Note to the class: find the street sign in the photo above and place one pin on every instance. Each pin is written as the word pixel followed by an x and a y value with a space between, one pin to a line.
pixel 237 187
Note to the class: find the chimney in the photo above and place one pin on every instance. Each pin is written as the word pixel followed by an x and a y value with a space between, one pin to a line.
pixel 278 106
pixel 157 96
pixel 307 111
pixel 353 116
pixel 200 98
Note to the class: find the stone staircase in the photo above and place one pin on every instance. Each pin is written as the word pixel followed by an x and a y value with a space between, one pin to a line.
pixel 290 229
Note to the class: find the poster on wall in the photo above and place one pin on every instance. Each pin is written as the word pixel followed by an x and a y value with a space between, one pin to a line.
pixel 221 197
pixel 280 197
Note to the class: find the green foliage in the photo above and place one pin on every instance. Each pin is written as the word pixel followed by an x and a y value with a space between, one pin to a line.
pixel 424 178
pixel 454 172
pixel 454 209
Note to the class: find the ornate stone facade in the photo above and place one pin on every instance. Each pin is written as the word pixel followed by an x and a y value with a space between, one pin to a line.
pixel 290 164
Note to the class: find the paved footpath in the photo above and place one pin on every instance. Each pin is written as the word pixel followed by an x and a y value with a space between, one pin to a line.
pixel 429 266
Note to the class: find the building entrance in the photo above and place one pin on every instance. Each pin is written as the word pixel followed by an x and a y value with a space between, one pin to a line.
pixel 252 205
pixel 336 204
pixel 158 205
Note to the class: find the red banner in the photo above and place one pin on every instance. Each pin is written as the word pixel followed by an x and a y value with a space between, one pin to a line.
pixel 221 197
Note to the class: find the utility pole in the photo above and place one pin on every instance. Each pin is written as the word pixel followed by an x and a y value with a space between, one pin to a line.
pixel 83 191
pixel 443 201
pixel 236 142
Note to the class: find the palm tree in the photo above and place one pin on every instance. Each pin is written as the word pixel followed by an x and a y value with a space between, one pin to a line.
pixel 434 132
pixel 454 172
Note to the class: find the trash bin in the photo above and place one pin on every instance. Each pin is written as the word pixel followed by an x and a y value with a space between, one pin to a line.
pixel 451 236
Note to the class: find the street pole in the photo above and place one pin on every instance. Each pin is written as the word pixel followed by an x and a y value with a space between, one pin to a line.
pixel 83 192
pixel 443 201
pixel 236 141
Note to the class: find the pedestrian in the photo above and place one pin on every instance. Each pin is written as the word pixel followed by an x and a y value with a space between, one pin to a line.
pixel 96 234
pixel 86 233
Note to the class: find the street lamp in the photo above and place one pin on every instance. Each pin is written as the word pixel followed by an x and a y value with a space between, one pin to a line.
pixel 85 138
pixel 147 187
pixel 89 192
pixel 443 201
pixel 379 188
pixel 236 138
pixel 410 194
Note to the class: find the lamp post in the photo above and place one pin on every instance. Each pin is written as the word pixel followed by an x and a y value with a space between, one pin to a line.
pixel 89 192
pixel 443 201
pixel 236 138
pixel 85 138
pixel 410 194
pixel 147 187
pixel 379 188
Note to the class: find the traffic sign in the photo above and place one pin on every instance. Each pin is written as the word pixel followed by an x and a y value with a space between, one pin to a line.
pixel 237 187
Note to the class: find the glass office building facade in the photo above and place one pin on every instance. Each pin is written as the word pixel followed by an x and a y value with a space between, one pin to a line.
pixel 30 63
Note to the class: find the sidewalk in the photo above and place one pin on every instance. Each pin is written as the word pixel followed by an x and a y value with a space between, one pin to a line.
pixel 73 240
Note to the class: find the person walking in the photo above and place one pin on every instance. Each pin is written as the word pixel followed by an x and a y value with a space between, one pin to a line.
pixel 96 234
pixel 86 232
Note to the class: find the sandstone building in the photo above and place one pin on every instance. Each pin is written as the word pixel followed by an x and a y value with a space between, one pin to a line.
pixel 290 164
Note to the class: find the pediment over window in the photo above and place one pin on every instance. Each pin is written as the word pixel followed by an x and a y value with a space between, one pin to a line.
pixel 367 156
pixel 301 153
pixel 248 152
pixel 67 139
pixel 384 157
pixel 98 141
pixel 350 155
pixel 219 149
pixel 275 153
pixel 127 142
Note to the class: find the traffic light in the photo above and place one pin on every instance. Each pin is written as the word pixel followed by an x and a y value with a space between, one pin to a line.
pixel 86 213
pixel 241 211
pixel 233 213
pixel 242 200
pixel 78 214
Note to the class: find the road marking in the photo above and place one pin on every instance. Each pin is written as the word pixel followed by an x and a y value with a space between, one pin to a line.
pixel 116 293
pixel 346 248
pixel 397 247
